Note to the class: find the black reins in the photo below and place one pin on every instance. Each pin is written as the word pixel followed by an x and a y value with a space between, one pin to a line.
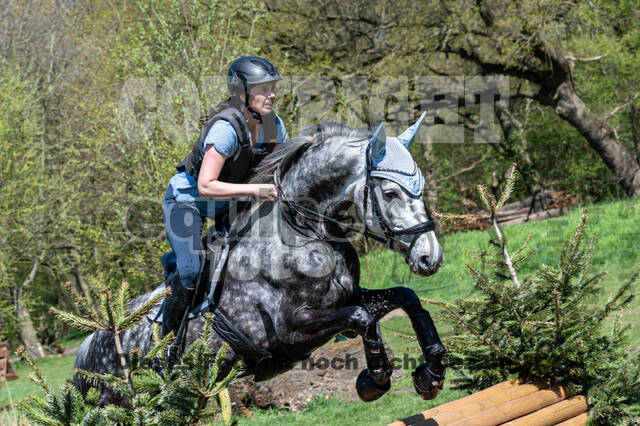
pixel 390 234
pixel 296 209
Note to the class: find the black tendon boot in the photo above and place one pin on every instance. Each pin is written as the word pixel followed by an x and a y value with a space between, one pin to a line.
pixel 175 307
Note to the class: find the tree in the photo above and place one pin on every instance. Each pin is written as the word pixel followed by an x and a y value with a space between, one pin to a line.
pixel 133 115
pixel 80 62
pixel 38 57
pixel 534 43
pixel 24 222
pixel 156 394
pixel 545 326
pixel 531 41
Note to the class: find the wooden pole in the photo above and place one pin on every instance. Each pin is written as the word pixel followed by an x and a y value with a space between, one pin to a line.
pixel 554 414
pixel 579 420
pixel 509 410
pixel 453 405
pixel 477 407
pixel 507 403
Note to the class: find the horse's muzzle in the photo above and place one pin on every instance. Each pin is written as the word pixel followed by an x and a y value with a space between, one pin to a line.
pixel 426 267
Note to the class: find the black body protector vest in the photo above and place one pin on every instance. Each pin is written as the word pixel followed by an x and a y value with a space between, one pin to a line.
pixel 236 169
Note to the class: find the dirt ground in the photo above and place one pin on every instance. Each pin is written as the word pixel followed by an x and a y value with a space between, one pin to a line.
pixel 330 371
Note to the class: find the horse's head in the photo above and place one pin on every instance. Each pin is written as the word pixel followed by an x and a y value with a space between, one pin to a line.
pixel 393 201
pixel 325 165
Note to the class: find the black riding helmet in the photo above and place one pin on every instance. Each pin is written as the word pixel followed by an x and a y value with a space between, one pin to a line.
pixel 248 71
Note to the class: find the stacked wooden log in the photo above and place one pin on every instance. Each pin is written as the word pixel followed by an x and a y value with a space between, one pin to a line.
pixel 6 372
pixel 544 205
pixel 507 403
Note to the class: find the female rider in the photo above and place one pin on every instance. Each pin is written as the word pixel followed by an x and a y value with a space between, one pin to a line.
pixel 239 133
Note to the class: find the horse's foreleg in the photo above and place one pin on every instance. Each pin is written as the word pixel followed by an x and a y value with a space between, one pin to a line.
pixel 428 378
pixel 374 381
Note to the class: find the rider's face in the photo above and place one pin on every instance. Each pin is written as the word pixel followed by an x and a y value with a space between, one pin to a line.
pixel 262 96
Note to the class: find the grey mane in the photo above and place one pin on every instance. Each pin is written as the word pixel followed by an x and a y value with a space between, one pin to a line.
pixel 285 154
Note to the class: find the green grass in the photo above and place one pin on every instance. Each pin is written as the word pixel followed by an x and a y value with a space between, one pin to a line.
pixel 72 339
pixel 56 369
pixel 391 407
pixel 616 227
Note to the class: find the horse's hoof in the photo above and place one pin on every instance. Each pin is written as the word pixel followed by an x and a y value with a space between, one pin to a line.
pixel 367 390
pixel 427 383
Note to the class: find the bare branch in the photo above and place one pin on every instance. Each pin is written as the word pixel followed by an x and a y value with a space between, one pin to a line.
pixel 464 324
pixel 574 59
pixel 464 170
pixel 621 107
pixel 505 252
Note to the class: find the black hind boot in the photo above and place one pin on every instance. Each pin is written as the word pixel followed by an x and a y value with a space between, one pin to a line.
pixel 174 310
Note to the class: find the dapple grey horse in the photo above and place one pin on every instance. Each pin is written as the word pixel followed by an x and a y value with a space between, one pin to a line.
pixel 292 277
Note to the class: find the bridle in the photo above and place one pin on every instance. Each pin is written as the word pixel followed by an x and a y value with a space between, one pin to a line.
pixel 390 236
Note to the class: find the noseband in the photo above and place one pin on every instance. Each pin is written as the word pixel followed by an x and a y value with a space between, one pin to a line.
pixel 389 236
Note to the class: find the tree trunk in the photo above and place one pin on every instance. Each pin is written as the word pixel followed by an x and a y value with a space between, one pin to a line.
pixel 558 91
pixel 601 137
pixel 25 325
pixel 515 145
pixel 62 303
pixel 27 330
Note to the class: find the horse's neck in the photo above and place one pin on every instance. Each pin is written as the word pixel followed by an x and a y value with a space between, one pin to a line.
pixel 327 174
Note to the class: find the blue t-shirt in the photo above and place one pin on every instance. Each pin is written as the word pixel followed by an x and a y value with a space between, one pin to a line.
pixel 184 188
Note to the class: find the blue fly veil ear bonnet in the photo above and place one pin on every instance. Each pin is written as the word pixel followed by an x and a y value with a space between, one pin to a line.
pixel 390 158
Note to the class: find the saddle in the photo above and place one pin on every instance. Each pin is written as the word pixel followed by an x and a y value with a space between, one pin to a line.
pixel 207 295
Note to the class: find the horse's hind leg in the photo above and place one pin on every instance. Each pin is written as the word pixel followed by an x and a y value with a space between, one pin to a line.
pixel 310 324
pixel 428 378
pixel 375 380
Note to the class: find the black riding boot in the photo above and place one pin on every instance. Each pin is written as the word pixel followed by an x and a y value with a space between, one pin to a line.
pixel 175 305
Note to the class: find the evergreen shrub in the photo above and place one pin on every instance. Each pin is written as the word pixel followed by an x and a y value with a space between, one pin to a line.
pixel 547 326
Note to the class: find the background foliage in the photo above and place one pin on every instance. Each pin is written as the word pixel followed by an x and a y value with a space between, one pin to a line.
pixel 82 198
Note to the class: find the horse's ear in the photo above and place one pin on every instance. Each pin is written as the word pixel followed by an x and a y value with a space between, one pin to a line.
pixel 379 143
pixel 410 134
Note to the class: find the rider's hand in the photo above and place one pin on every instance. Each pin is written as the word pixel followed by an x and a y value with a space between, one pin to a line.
pixel 268 191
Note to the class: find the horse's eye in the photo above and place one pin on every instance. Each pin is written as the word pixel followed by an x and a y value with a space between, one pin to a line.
pixel 391 194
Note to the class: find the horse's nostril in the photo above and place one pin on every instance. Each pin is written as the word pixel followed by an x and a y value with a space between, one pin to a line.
pixel 424 261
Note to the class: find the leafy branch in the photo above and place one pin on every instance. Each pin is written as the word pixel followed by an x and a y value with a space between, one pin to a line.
pixel 114 317
pixel 192 391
